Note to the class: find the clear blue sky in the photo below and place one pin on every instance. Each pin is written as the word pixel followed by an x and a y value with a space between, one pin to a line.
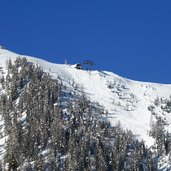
pixel 129 37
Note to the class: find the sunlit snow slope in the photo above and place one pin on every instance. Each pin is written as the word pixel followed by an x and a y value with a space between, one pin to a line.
pixel 124 100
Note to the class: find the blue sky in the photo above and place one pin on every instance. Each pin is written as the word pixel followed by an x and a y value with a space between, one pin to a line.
pixel 131 38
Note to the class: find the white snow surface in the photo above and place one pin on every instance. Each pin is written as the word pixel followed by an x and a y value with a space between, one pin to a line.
pixel 124 100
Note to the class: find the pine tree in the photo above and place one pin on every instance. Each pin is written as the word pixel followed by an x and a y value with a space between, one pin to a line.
pixel 158 133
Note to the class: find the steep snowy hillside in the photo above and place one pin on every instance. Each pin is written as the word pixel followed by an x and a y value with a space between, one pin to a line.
pixel 124 100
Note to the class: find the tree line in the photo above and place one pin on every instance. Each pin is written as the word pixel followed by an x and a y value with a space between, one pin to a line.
pixel 45 131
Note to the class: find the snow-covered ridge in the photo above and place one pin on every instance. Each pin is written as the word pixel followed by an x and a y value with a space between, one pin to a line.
pixel 124 100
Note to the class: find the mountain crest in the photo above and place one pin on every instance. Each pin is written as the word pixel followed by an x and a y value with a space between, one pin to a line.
pixel 136 105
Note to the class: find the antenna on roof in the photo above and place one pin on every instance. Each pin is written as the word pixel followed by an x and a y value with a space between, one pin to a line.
pixel 2 47
pixel 66 62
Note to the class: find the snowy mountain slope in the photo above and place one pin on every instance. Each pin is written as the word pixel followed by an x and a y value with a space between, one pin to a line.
pixel 124 100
